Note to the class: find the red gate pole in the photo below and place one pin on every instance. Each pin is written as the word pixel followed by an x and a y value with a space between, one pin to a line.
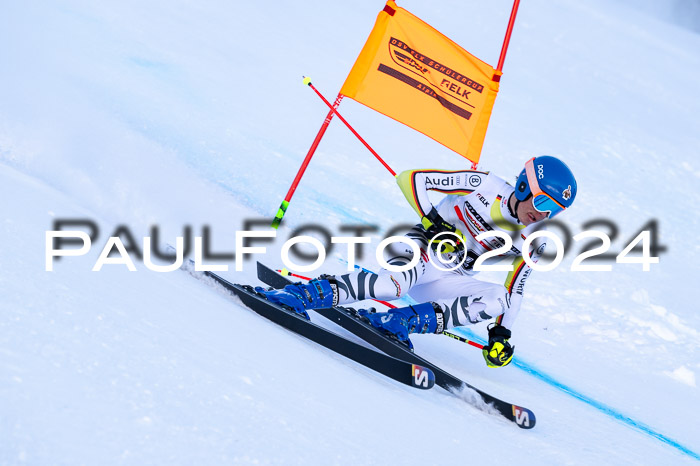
pixel 504 48
pixel 307 81
pixel 285 203
pixel 509 31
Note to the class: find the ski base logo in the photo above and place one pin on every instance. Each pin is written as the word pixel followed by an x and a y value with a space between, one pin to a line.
pixel 422 377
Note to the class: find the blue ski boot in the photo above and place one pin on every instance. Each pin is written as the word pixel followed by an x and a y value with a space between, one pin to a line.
pixel 299 297
pixel 398 323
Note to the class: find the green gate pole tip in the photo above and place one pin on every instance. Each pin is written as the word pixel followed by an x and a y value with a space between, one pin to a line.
pixel 280 213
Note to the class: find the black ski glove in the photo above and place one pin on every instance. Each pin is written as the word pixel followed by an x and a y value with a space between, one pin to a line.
pixel 434 225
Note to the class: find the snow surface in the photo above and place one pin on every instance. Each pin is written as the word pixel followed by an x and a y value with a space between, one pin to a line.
pixel 193 113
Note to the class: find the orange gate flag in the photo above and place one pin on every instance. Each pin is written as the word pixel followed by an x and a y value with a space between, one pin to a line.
pixel 412 73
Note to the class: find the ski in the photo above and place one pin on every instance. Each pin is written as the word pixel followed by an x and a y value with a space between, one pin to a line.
pixel 522 417
pixel 407 373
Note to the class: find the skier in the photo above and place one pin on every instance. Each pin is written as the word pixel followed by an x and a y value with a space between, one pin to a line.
pixel 476 202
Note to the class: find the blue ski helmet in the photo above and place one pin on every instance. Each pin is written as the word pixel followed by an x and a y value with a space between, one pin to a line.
pixel 549 181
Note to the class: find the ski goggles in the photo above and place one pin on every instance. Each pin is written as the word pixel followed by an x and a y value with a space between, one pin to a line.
pixel 541 201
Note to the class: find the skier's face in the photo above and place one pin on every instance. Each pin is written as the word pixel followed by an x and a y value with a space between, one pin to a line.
pixel 527 214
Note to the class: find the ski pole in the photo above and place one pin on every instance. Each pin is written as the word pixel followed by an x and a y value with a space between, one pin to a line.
pixel 307 81
pixel 462 339
pixel 287 273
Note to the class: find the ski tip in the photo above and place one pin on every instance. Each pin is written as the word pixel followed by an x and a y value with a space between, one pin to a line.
pixel 523 417
pixel 422 377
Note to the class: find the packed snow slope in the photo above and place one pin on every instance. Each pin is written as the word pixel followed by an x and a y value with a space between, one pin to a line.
pixel 193 114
